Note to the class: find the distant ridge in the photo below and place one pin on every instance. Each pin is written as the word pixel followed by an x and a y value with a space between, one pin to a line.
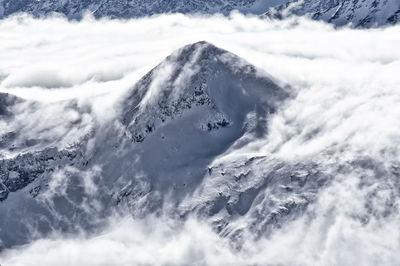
pixel 357 13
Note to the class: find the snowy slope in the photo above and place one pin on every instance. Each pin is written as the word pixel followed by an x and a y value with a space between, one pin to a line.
pixel 358 13
pixel 128 8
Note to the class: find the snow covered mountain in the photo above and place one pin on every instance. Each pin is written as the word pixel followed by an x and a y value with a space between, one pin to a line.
pixel 195 106
pixel 358 13
pixel 129 9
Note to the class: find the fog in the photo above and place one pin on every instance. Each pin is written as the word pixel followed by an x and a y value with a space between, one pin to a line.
pixel 346 102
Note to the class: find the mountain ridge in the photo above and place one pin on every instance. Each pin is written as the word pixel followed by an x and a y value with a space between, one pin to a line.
pixel 74 9
pixel 357 13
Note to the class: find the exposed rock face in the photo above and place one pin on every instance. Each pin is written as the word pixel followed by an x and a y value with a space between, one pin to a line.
pixel 16 173
pixel 357 13
pixel 360 13
pixel 74 9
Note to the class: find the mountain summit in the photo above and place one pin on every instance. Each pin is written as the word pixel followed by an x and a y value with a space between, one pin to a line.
pixel 199 79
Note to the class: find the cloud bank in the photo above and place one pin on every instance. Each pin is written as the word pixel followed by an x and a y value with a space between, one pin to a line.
pixel 346 84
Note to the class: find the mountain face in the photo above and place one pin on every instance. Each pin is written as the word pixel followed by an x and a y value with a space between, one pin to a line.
pixel 194 107
pixel 358 13
pixel 30 164
pixel 127 9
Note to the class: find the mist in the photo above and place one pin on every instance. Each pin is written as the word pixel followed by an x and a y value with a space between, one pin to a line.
pixel 345 105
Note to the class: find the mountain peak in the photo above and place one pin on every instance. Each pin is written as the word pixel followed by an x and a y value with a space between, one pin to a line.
pixel 203 48
pixel 198 76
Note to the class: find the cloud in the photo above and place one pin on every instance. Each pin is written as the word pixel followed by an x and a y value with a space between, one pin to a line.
pixel 346 84
pixel 331 239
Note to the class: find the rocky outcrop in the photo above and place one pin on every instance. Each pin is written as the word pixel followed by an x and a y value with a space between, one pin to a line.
pixel 16 173
pixel 356 13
